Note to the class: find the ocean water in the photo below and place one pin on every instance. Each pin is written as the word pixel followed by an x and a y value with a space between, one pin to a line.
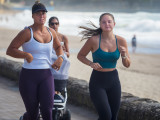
pixel 145 25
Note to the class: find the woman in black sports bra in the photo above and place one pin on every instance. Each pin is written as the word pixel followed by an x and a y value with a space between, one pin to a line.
pixel 106 48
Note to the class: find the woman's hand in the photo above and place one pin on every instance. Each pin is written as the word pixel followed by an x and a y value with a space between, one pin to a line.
pixel 67 53
pixel 63 47
pixel 57 64
pixel 122 51
pixel 95 66
pixel 29 57
pixel 125 56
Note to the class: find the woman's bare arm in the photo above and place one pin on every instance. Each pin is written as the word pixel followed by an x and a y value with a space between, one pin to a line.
pixel 66 45
pixel 59 51
pixel 84 52
pixel 122 46
pixel 13 49
pixel 56 44
pixel 88 46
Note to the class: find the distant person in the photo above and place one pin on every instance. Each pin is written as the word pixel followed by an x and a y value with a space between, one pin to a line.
pixel 106 48
pixel 134 43
pixel 36 83
pixel 60 76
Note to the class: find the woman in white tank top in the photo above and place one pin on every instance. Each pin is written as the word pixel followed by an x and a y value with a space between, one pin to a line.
pixel 36 82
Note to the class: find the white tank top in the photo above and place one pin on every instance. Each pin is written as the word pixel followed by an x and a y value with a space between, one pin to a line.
pixel 41 53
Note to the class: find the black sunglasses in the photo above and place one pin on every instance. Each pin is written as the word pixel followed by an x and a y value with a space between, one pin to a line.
pixel 56 23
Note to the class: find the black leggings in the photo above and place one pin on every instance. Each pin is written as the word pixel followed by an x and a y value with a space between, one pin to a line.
pixel 37 87
pixel 105 92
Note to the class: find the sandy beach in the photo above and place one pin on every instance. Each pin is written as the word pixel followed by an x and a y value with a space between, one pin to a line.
pixel 141 79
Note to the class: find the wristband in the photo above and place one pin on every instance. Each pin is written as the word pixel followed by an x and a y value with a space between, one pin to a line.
pixel 124 57
pixel 61 56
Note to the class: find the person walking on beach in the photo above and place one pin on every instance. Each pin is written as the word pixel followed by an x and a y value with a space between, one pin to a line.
pixel 36 83
pixel 60 76
pixel 106 48
pixel 134 43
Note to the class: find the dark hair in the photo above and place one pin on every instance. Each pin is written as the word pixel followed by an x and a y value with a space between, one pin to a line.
pixel 52 18
pixel 38 7
pixel 100 18
pixel 89 32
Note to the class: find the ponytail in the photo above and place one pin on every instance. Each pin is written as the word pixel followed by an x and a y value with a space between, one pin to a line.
pixel 37 1
pixel 89 32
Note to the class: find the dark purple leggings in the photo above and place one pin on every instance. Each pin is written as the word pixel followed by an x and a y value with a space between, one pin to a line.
pixel 37 88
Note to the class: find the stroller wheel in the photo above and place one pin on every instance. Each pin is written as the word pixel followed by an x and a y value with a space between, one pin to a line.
pixel 55 115
pixel 67 115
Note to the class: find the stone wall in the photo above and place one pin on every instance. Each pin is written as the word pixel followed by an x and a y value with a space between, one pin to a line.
pixel 10 69
pixel 132 107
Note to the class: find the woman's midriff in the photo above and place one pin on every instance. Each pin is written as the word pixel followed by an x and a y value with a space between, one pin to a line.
pixel 106 70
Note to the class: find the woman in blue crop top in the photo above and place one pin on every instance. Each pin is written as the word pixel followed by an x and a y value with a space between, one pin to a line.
pixel 104 85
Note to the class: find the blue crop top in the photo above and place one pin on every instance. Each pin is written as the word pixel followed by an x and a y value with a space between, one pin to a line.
pixel 106 59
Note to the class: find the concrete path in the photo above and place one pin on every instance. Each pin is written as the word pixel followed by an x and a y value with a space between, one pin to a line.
pixel 11 104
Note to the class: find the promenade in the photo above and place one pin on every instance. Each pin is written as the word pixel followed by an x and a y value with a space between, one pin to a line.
pixel 12 107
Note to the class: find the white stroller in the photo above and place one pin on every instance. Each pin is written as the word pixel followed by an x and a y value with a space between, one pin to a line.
pixel 60 112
